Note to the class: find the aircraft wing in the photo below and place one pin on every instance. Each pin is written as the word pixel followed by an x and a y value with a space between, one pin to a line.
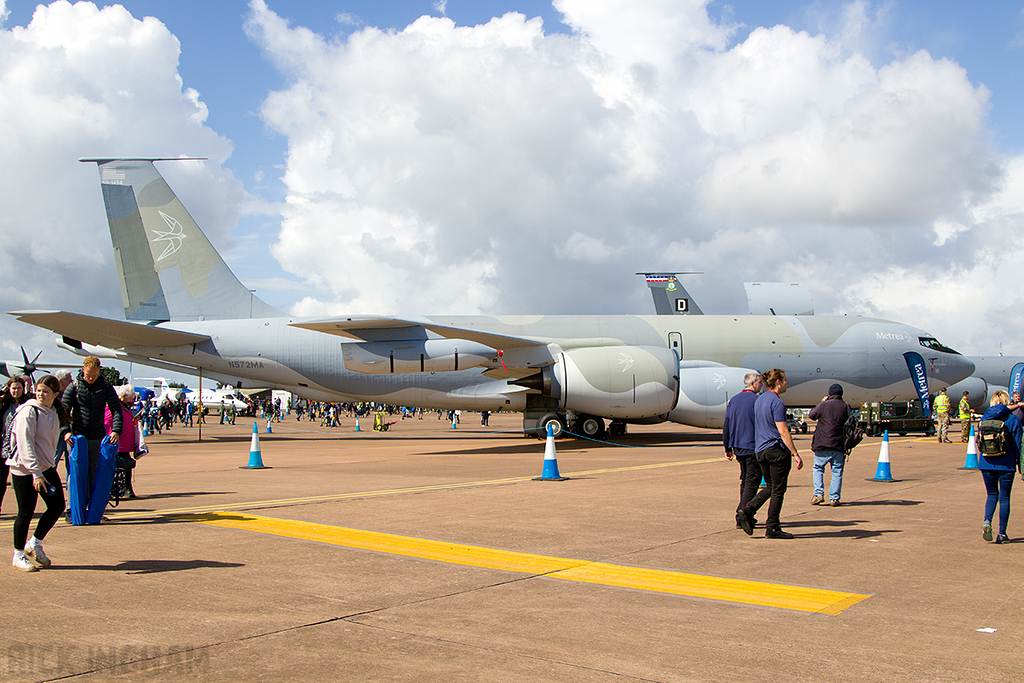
pixel 113 334
pixel 361 327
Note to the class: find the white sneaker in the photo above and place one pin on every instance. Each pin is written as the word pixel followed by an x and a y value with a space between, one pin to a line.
pixel 36 554
pixel 24 565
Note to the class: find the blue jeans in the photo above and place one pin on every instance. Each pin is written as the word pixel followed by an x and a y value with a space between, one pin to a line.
pixel 836 459
pixel 998 484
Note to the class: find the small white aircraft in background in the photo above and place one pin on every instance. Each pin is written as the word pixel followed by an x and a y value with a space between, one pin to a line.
pixel 209 397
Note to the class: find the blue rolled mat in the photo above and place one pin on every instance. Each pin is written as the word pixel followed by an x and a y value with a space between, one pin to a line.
pixel 78 479
pixel 104 479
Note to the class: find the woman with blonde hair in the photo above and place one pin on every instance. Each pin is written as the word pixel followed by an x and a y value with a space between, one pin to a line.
pixel 998 470
pixel 36 433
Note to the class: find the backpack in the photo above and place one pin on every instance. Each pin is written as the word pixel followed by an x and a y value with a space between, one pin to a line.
pixel 10 443
pixel 853 433
pixel 121 488
pixel 8 450
pixel 993 437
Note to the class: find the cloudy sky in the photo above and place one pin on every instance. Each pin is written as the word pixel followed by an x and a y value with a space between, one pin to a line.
pixel 529 157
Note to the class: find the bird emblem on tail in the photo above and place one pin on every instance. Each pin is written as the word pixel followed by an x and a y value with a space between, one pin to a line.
pixel 173 235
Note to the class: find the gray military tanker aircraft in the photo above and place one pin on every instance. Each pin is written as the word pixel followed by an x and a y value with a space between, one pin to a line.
pixel 187 312
pixel 991 373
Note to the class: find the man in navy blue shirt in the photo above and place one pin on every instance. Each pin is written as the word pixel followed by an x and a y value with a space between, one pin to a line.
pixel 738 437
pixel 775 452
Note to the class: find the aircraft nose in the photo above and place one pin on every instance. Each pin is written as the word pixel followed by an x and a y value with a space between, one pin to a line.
pixel 950 368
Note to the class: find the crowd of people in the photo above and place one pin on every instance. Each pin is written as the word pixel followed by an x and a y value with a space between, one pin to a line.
pixel 39 422
pixel 757 436
pixel 330 414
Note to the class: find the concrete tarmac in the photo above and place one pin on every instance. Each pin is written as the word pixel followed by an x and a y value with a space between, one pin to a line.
pixel 430 554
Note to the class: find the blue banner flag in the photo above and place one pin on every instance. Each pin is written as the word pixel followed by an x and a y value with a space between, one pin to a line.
pixel 1015 377
pixel 919 375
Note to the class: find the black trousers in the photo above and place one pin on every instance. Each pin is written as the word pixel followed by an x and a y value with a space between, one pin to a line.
pixel 750 478
pixel 94 460
pixel 775 462
pixel 27 497
pixel 4 469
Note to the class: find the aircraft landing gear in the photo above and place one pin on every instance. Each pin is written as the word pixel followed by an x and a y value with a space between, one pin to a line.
pixel 557 425
pixel 589 426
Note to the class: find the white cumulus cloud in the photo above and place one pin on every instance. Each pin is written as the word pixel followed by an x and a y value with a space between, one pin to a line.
pixel 83 82
pixel 502 163
pixel 506 168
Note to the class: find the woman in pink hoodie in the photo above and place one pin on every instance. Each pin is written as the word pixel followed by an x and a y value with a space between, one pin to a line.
pixel 126 446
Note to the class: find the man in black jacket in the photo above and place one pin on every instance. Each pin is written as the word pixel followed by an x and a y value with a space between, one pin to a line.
pixel 829 445
pixel 85 399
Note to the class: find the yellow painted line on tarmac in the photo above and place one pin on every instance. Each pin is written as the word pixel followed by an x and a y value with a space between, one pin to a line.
pixel 693 585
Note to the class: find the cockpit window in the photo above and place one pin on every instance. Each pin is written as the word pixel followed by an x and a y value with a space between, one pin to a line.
pixel 933 343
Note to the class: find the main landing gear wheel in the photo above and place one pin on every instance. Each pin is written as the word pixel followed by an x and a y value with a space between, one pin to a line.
pixel 557 425
pixel 590 426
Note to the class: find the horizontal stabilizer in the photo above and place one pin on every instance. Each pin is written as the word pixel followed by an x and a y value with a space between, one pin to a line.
pixel 113 334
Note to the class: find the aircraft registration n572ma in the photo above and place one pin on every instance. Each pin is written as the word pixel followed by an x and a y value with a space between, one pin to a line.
pixel 187 312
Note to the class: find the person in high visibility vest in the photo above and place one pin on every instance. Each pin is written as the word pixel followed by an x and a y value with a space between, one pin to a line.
pixel 965 418
pixel 942 415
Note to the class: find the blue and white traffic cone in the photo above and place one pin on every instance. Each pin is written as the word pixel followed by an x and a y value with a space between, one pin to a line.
pixel 550 472
pixel 453 421
pixel 971 461
pixel 255 457
pixel 357 424
pixel 269 430
pixel 883 472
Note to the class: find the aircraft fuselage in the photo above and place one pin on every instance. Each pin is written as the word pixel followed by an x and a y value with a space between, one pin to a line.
pixel 863 354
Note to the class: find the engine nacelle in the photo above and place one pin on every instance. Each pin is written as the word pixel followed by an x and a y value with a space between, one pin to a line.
pixel 430 355
pixel 618 382
pixel 980 393
pixel 703 393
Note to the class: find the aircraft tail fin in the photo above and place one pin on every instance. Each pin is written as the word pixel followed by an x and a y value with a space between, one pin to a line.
pixel 167 267
pixel 670 297
pixel 779 298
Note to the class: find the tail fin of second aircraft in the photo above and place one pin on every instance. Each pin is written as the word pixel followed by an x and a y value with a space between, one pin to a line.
pixel 167 267
pixel 670 297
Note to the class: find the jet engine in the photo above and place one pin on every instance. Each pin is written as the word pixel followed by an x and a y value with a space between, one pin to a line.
pixel 980 393
pixel 618 382
pixel 703 393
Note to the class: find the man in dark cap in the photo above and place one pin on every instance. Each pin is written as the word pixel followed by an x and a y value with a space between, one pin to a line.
pixel 829 445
